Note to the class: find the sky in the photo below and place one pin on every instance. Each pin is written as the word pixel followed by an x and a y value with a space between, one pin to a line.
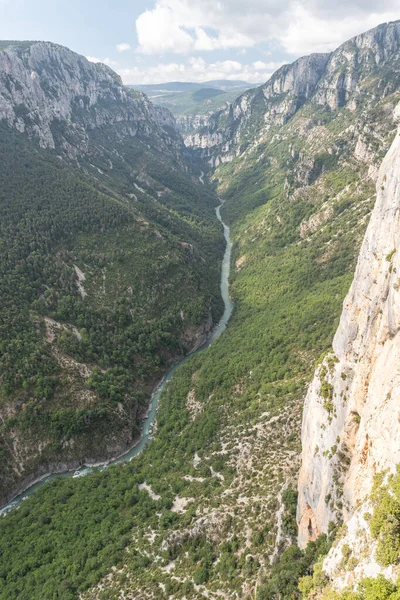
pixel 155 41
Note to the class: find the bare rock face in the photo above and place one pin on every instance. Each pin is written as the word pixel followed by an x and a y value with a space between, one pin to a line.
pixel 189 123
pixel 276 101
pixel 351 420
pixel 331 81
pixel 355 60
pixel 299 79
pixel 57 96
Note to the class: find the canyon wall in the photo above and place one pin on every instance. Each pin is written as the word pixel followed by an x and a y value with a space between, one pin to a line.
pixel 329 81
pixel 58 97
pixel 351 419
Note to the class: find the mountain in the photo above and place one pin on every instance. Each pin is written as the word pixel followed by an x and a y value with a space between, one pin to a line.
pixel 43 86
pixel 343 78
pixel 171 86
pixel 226 84
pixel 109 263
pixel 209 509
pixel 182 86
pixel 192 104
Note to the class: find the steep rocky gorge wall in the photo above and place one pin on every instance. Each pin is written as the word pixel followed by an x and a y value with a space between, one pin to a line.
pixel 351 420
pixel 44 84
pixel 331 81
pixel 190 123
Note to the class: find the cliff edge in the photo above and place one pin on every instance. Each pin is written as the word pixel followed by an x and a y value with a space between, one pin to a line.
pixel 351 419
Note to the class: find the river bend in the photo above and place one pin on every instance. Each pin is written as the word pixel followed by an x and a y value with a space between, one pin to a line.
pixel 148 422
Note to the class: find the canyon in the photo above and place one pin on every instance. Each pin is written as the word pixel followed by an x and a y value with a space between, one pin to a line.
pixel 306 166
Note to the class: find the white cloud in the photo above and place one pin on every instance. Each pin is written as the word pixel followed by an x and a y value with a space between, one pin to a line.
pixel 198 70
pixel 323 31
pixel 159 30
pixel 204 41
pixel 123 47
pixel 300 26
pixel 181 26
pixel 194 68
pixel 189 27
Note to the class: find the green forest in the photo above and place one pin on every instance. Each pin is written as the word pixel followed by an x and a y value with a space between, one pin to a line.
pixel 71 357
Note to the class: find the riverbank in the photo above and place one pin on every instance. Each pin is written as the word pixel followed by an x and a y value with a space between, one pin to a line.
pixel 76 469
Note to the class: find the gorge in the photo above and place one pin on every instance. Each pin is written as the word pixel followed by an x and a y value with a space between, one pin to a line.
pixel 306 166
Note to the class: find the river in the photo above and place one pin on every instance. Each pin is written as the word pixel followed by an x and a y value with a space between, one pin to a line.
pixel 148 422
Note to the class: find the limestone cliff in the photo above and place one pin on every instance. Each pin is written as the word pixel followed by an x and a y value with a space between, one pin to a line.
pixel 58 97
pixel 332 81
pixel 351 419
pixel 230 131
pixel 189 123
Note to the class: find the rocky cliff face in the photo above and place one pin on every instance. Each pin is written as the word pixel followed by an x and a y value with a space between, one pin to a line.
pixel 348 68
pixel 330 80
pixel 229 131
pixel 351 420
pixel 190 123
pixel 58 97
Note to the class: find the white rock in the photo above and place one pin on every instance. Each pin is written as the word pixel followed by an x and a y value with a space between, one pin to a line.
pixel 365 380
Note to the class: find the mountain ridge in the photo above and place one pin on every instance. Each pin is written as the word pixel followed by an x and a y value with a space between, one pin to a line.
pixel 327 79
pixel 176 86
pixel 54 84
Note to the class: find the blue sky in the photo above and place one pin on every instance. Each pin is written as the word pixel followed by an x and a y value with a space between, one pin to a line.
pixel 151 41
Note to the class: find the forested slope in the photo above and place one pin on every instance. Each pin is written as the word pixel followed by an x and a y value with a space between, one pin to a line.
pixel 298 182
pixel 209 509
pixel 110 254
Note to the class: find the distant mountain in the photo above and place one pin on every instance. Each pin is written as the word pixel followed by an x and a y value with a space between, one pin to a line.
pixel 186 86
pixel 192 104
pixel 227 84
pixel 173 86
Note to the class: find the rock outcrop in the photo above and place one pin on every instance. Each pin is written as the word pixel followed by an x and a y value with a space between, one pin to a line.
pixel 189 123
pixel 354 61
pixel 330 81
pixel 58 97
pixel 351 420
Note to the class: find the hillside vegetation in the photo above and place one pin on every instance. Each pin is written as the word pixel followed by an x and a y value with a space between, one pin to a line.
pixel 109 273
pixel 208 510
